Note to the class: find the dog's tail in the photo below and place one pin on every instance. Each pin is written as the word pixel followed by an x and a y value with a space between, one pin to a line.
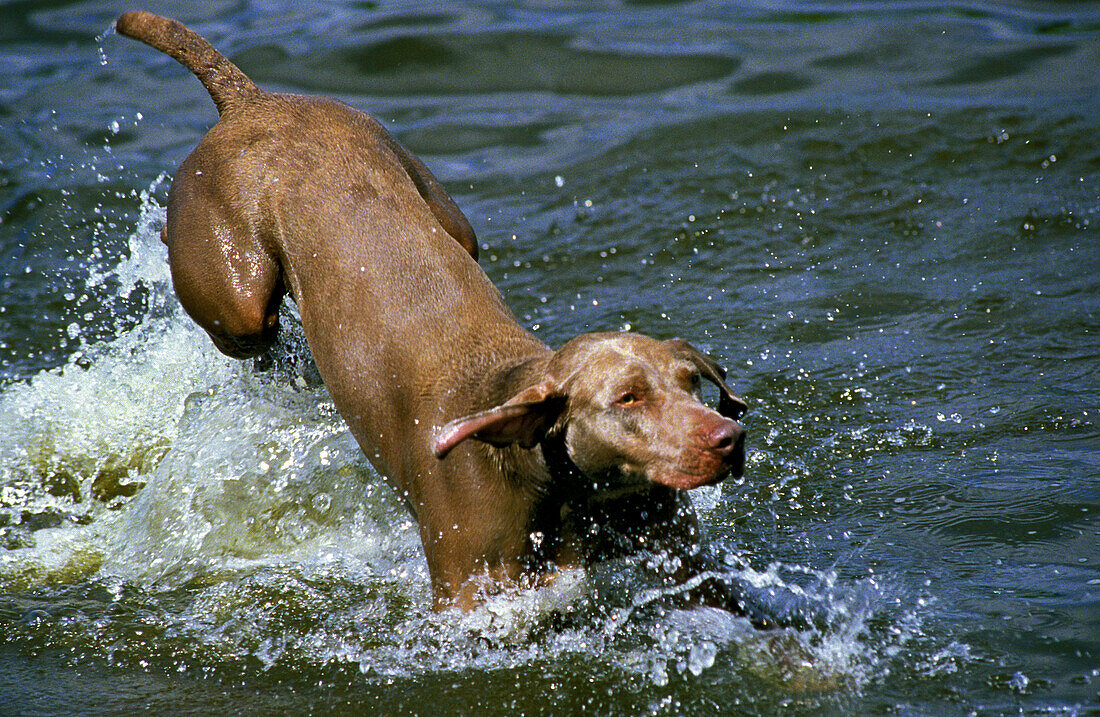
pixel 227 85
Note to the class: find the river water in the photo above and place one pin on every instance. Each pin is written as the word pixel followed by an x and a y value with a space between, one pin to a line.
pixel 881 217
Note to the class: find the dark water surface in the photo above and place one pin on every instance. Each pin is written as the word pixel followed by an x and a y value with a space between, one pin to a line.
pixel 881 217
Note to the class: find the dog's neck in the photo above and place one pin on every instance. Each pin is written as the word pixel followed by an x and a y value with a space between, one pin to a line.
pixel 587 520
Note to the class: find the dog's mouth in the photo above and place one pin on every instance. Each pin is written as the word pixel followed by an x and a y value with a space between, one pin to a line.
pixel 691 467
pixel 685 480
pixel 699 470
pixel 696 474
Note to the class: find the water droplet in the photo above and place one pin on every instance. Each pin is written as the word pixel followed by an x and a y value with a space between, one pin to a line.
pixel 322 502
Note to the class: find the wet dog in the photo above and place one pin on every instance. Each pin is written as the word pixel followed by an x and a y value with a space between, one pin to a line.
pixel 514 459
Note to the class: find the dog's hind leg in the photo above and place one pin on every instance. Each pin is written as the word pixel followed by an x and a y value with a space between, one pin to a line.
pixel 225 277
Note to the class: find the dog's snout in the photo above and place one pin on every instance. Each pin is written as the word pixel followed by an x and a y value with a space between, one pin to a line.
pixel 725 437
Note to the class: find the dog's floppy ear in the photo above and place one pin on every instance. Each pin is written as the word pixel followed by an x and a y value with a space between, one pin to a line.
pixel 524 419
pixel 729 404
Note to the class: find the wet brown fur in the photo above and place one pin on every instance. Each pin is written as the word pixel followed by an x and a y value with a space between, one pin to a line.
pixel 513 458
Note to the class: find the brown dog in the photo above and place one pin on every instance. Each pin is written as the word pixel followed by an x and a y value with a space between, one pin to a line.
pixel 513 458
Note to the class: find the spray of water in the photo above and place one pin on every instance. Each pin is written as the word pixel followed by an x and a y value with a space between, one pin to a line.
pixel 229 513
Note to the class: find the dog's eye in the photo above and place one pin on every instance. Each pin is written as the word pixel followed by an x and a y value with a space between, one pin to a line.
pixel 627 399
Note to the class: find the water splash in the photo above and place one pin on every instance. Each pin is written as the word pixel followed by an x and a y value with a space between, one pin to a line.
pixel 79 439
pixel 100 39
pixel 211 517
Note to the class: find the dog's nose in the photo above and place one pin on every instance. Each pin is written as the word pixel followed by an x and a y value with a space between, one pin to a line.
pixel 724 438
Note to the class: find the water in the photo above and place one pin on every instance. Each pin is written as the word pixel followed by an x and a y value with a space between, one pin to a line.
pixel 881 218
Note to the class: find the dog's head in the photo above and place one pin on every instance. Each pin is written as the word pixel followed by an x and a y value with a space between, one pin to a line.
pixel 627 408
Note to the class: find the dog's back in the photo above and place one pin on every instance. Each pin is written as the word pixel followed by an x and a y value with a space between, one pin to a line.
pixel 308 196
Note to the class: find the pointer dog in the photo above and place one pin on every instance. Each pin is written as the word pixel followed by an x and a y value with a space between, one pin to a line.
pixel 513 458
